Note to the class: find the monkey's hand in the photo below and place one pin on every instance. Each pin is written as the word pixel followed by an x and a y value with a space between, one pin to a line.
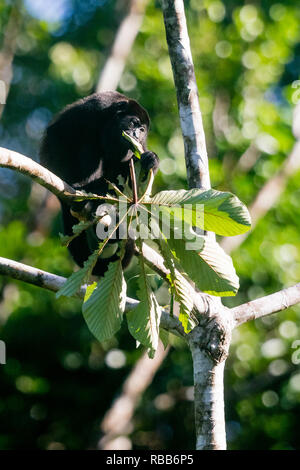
pixel 149 161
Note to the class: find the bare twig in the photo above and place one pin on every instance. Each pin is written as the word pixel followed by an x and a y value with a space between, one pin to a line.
pixel 267 305
pixel 51 282
pixel 27 166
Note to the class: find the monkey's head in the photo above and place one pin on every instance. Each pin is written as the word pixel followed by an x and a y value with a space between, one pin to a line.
pixel 130 117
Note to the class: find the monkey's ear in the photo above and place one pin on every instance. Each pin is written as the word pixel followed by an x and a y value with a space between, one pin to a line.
pixel 136 110
pixel 118 108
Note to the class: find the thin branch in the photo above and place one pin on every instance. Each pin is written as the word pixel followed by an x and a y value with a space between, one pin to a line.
pixel 27 166
pixel 34 276
pixel 52 282
pixel 38 173
pixel 127 32
pixel 267 305
pixel 258 308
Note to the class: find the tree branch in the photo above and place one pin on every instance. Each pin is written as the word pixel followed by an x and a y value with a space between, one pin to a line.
pixel 207 358
pixel 52 282
pixel 27 166
pixel 266 305
pixel 187 94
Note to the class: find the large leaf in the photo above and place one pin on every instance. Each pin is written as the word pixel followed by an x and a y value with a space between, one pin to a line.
pixel 209 266
pixel 144 320
pixel 75 281
pixel 181 288
pixel 216 211
pixel 104 308
pixel 77 230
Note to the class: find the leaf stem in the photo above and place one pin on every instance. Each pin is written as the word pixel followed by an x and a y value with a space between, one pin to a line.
pixel 133 181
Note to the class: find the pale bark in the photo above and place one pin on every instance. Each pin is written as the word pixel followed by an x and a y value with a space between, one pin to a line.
pixel 208 356
pixel 209 401
pixel 202 302
pixel 187 94
pixel 52 282
pixel 27 166
pixel 266 305
pixel 258 308
pixel 209 342
pixel 37 277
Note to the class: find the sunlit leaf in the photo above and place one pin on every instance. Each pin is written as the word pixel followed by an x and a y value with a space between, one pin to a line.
pixel 216 211
pixel 103 309
pixel 75 281
pixel 143 320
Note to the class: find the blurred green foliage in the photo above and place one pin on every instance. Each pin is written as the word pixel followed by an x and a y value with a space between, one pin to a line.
pixel 58 381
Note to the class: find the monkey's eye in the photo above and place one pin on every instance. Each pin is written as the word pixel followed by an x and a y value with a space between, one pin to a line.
pixel 135 122
pixel 142 129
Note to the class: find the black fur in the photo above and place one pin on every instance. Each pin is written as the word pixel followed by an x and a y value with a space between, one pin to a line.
pixel 84 146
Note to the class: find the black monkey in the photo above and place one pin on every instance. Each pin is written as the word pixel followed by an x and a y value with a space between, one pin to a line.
pixel 84 146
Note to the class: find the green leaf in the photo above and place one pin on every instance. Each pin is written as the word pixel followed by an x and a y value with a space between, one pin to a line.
pixel 187 322
pixel 77 230
pixel 164 337
pixel 137 147
pixel 181 287
pixel 89 290
pixel 208 266
pixel 143 321
pixel 104 308
pixel 221 212
pixel 75 281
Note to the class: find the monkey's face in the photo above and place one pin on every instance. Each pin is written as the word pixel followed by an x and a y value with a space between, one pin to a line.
pixel 134 127
pixel 125 116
